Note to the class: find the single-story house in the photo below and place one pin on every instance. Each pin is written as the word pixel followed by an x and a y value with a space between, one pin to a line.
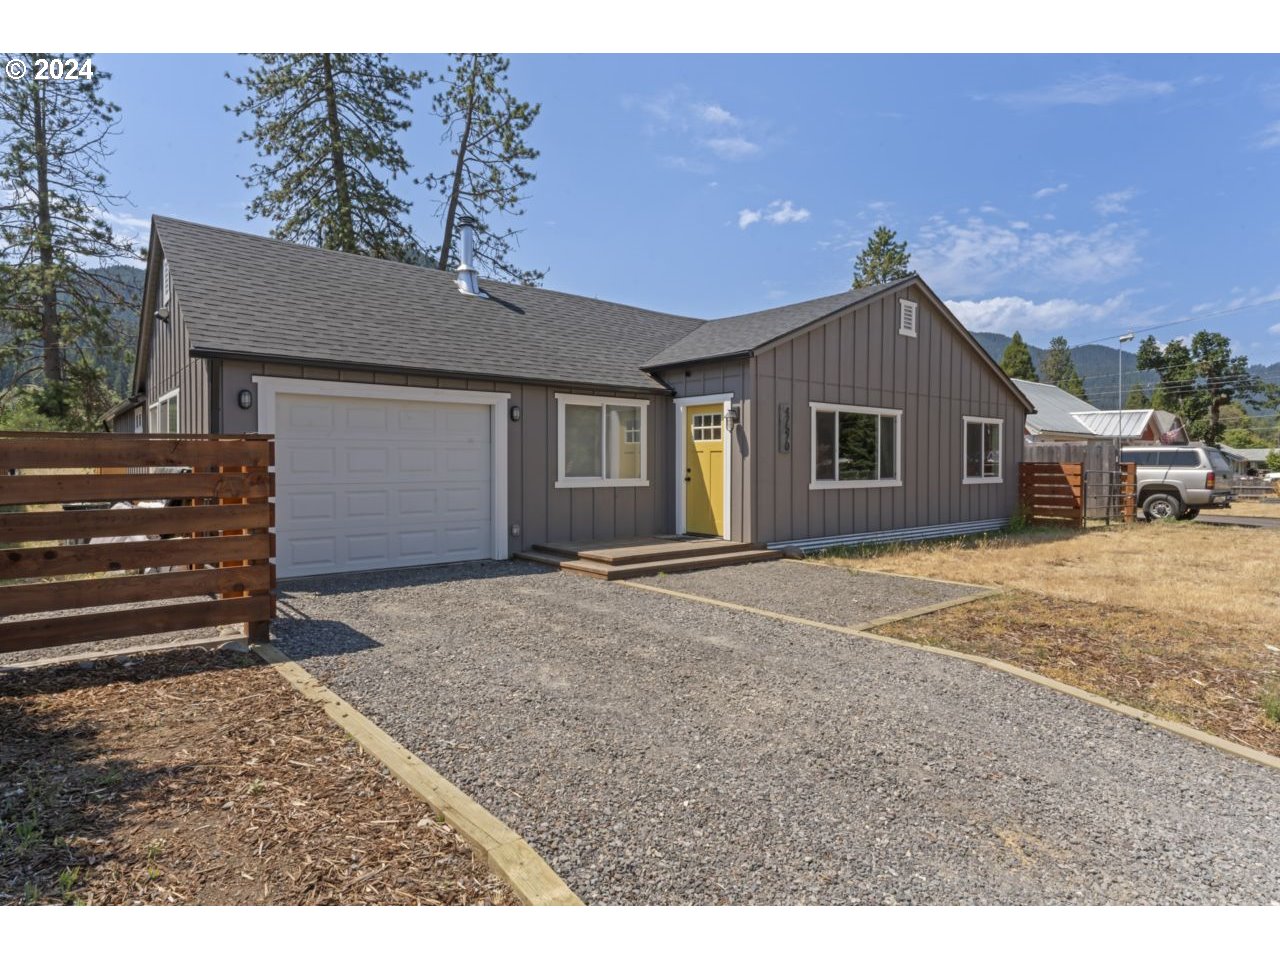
pixel 1063 417
pixel 1246 459
pixel 423 416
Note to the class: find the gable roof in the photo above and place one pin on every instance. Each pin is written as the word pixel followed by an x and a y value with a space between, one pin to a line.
pixel 1055 409
pixel 739 335
pixel 246 296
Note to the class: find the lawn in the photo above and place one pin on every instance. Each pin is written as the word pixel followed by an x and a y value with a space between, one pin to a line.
pixel 195 777
pixel 1254 508
pixel 1175 618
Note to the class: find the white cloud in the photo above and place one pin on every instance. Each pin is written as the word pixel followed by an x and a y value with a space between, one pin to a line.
pixel 731 148
pixel 974 257
pixel 1274 328
pixel 778 212
pixel 1269 137
pixel 1098 90
pixel 1006 314
pixel 686 164
pixel 716 115
pixel 1048 191
pixel 1109 204
pixel 1243 298
pixel 988 208
pixel 1019 225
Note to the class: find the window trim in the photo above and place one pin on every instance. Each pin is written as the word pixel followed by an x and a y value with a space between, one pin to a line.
pixel 159 401
pixel 815 408
pixel 586 400
pixel 964 450
pixel 914 329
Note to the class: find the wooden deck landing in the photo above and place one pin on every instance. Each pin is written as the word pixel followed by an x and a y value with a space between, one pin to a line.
pixel 645 556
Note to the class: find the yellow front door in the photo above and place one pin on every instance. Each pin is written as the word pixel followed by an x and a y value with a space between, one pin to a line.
pixel 704 470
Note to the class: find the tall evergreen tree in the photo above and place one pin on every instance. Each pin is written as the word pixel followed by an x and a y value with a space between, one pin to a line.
pixel 485 124
pixel 1058 368
pixel 1198 379
pixel 882 260
pixel 326 128
pixel 1137 398
pixel 56 320
pixel 1016 360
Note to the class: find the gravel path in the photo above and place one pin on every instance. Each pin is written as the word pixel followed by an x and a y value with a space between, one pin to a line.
pixel 814 591
pixel 659 750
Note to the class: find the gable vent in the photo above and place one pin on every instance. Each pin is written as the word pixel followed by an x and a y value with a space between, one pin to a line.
pixel 907 313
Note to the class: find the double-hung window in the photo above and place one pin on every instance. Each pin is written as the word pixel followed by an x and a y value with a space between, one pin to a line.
pixel 855 446
pixel 164 413
pixel 983 440
pixel 603 441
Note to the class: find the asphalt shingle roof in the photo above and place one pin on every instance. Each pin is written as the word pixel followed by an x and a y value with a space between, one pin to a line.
pixel 245 295
pixel 732 336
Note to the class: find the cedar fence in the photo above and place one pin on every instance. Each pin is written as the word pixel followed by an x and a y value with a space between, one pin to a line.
pixel 1059 493
pixel 215 528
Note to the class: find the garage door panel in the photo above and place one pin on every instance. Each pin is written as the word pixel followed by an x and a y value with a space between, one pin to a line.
pixel 364 484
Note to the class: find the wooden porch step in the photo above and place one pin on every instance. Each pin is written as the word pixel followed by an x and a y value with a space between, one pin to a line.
pixel 623 571
pixel 644 551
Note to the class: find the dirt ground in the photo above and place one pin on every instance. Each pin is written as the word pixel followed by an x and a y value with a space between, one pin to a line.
pixel 1254 508
pixel 1175 618
pixel 194 777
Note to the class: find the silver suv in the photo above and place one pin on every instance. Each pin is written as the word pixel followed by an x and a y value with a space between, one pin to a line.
pixel 1180 481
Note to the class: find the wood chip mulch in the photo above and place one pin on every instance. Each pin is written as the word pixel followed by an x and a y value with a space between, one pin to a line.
pixel 195 777
pixel 1216 678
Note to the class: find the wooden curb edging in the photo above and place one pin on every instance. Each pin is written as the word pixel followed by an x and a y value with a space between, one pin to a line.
pixel 1169 726
pixel 506 853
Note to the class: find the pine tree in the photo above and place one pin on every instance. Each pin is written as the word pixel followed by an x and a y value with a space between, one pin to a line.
pixel 1058 368
pixel 485 126
pixel 1016 361
pixel 56 305
pixel 882 260
pixel 325 127
pixel 1137 398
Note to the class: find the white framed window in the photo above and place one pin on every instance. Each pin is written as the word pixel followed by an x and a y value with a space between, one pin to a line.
pixel 983 449
pixel 138 414
pixel 908 317
pixel 601 441
pixel 855 446
pixel 164 413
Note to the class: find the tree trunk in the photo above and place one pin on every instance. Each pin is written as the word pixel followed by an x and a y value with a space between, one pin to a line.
pixel 455 189
pixel 50 329
pixel 346 238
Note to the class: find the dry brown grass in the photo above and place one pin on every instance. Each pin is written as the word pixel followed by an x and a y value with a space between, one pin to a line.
pixel 1254 508
pixel 1225 576
pixel 1211 677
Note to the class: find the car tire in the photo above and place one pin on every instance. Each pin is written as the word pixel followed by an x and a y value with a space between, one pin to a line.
pixel 1162 506
pixel 1190 513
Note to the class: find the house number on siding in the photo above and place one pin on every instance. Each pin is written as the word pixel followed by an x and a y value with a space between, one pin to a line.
pixel 784 428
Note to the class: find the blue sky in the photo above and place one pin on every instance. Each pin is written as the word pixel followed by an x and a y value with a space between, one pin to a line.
pixel 1079 195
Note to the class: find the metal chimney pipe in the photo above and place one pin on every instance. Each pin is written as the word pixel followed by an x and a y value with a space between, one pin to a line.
pixel 468 282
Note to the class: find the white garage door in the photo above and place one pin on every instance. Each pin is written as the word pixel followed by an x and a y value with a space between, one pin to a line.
pixel 363 484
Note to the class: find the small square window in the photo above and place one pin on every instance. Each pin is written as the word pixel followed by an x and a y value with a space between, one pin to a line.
pixel 707 426
pixel 982 450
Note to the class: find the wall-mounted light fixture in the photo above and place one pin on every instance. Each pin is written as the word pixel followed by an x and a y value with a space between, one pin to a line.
pixel 516 414
pixel 245 399
pixel 733 416
pixel 515 529
pixel 163 315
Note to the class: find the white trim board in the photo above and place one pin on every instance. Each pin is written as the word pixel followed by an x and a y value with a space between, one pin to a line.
pixel 681 427
pixel 269 388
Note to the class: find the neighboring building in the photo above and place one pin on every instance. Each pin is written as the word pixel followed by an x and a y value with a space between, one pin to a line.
pixel 1060 416
pixel 418 422
pixel 1245 459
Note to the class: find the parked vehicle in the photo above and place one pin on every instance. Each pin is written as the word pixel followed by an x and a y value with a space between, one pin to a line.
pixel 1179 481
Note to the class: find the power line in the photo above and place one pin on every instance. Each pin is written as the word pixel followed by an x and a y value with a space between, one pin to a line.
pixel 1191 319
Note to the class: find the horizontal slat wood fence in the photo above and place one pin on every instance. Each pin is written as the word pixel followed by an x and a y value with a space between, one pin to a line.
pixel 215 529
pixel 1052 492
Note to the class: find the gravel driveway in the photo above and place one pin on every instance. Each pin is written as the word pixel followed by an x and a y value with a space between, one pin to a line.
pixel 660 750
